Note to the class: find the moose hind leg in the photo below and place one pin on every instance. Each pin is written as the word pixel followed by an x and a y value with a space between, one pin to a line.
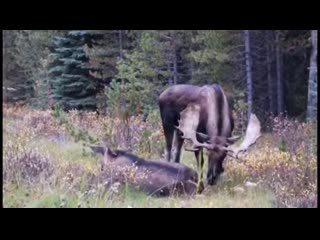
pixel 168 122
pixel 168 133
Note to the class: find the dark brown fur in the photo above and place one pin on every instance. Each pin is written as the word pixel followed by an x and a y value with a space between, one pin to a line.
pixel 214 108
pixel 154 177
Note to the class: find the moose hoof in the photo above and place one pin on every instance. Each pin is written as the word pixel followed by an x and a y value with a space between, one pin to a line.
pixel 200 188
pixel 212 180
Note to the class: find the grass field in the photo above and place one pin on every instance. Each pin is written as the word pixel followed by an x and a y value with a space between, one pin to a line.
pixel 48 165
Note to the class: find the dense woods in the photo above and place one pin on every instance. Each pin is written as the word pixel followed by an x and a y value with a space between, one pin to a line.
pixel 265 71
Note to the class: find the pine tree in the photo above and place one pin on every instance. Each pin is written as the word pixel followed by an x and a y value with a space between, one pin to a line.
pixel 72 85
pixel 211 56
pixel 12 73
pixel 25 55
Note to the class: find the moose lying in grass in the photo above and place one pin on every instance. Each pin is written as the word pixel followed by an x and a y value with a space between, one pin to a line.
pixel 155 177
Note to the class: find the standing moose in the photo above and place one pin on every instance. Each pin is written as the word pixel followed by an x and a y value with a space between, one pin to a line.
pixel 202 115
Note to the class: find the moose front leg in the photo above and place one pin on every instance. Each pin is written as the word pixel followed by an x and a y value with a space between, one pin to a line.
pixel 200 161
pixel 215 167
pixel 211 177
pixel 176 146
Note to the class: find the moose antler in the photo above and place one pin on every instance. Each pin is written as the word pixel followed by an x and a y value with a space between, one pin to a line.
pixel 188 123
pixel 252 135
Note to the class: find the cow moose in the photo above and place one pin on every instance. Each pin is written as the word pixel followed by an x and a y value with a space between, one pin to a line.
pixel 202 116
pixel 155 177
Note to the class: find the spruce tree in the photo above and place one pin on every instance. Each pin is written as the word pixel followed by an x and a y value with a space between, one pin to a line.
pixel 72 85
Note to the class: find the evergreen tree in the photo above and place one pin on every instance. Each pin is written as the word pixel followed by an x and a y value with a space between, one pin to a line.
pixel 83 63
pixel 111 47
pixel 25 53
pixel 12 74
pixel 212 56
pixel 72 85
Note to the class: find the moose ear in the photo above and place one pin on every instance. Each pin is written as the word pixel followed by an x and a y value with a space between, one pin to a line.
pixel 203 137
pixel 111 153
pixel 98 149
pixel 233 139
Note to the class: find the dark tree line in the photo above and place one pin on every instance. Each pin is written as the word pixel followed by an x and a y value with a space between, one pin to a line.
pixel 266 71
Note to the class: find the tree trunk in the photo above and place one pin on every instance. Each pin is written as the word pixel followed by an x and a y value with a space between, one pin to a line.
pixel 4 78
pixel 120 44
pixel 50 98
pixel 248 70
pixel 174 56
pixel 313 78
pixel 168 52
pixel 170 81
pixel 191 68
pixel 269 74
pixel 279 75
pixel 120 49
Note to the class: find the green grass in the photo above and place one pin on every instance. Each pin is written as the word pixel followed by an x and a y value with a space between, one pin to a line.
pixel 26 197
pixel 53 195
pixel 69 152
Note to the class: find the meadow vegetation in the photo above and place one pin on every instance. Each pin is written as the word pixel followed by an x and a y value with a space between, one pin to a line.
pixel 47 163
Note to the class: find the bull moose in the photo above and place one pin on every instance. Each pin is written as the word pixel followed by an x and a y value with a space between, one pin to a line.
pixel 155 177
pixel 202 115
